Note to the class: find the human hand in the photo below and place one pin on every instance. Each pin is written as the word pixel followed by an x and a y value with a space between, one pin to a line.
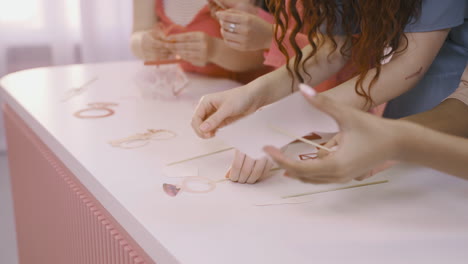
pixel 196 48
pixel 219 109
pixel 151 46
pixel 333 144
pixel 245 31
pixel 247 170
pixel 381 138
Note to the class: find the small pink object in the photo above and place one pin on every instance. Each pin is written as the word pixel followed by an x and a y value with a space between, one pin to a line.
pixel 171 189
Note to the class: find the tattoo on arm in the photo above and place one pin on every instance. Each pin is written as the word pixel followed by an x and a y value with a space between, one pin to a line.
pixel 414 74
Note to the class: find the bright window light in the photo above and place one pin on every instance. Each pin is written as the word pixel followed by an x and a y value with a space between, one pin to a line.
pixel 30 14
pixel 25 13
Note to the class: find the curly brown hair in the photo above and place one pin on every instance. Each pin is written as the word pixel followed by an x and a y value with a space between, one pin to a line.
pixel 373 30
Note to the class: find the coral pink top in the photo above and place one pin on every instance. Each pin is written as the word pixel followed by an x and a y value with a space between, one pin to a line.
pixel 203 21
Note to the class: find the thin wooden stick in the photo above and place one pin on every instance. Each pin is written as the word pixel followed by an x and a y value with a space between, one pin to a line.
pixel 199 157
pixel 335 189
pixel 286 133
pixel 78 90
pixel 162 62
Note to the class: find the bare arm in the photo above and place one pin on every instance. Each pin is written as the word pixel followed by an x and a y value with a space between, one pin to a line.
pixel 401 74
pixel 384 139
pixel 235 60
pixel 144 19
pixel 322 66
pixel 450 116
pixel 430 148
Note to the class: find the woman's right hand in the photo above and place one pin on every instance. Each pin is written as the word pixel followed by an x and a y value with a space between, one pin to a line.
pixel 219 109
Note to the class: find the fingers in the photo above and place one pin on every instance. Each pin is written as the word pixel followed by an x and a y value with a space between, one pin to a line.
pixel 195 58
pixel 333 142
pixel 311 171
pixel 215 120
pixel 154 49
pixel 267 170
pixel 185 46
pixel 259 171
pixel 326 105
pixel 246 7
pixel 365 176
pixel 285 162
pixel 247 169
pixel 232 16
pixel 237 164
pixel 203 110
pixel 185 37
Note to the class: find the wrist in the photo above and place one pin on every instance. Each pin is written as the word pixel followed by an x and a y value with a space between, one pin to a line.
pixel 404 144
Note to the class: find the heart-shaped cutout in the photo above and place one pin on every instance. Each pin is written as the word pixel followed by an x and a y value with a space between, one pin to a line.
pixel 171 189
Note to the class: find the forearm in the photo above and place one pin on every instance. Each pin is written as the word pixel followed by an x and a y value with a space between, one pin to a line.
pixel 144 19
pixel 402 73
pixel 322 66
pixel 430 148
pixel 234 60
pixel 450 116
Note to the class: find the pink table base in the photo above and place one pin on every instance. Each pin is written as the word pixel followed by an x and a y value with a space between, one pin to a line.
pixel 57 220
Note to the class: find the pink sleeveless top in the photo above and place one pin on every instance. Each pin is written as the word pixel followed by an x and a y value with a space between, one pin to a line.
pixel 204 22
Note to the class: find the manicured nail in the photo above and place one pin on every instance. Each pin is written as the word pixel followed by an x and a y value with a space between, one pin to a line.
pixel 307 90
pixel 334 148
pixel 205 127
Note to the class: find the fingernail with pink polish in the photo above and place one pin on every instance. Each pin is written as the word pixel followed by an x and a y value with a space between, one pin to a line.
pixel 307 90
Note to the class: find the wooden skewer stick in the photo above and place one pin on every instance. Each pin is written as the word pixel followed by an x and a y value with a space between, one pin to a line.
pixel 198 157
pixel 335 189
pixel 78 90
pixel 286 133
pixel 162 62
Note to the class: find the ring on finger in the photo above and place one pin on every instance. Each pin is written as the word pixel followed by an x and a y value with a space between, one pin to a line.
pixel 232 27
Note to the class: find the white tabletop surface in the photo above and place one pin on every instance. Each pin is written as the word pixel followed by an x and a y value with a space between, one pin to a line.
pixel 419 216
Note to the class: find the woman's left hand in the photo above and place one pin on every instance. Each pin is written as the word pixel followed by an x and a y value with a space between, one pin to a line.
pixel 365 142
pixel 194 47
pixel 247 170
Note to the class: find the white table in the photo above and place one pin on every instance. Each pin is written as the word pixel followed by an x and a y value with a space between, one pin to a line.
pixel 420 216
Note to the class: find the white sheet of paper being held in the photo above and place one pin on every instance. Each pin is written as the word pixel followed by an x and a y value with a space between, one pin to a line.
pixel 293 114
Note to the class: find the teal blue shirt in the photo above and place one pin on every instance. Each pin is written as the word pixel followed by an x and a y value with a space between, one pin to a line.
pixel 443 76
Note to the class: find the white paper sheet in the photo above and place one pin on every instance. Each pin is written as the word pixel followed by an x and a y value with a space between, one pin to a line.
pixel 292 114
